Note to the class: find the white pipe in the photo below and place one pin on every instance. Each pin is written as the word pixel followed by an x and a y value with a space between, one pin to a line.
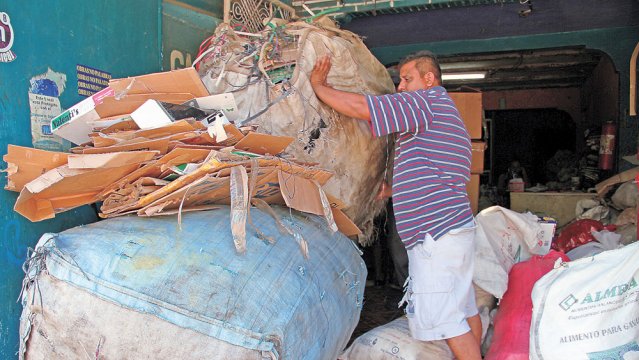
pixel 633 81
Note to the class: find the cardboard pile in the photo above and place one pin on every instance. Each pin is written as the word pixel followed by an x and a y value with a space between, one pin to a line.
pixel 471 111
pixel 139 154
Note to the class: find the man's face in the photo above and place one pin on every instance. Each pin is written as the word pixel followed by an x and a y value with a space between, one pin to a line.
pixel 411 80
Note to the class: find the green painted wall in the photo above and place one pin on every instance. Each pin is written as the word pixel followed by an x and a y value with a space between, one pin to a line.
pixel 118 37
pixel 183 30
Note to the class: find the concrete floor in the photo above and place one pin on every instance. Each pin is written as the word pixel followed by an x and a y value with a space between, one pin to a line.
pixel 380 307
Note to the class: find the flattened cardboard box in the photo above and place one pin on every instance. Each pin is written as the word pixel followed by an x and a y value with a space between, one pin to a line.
pixel 304 195
pixel 25 164
pixel 77 122
pixel 73 124
pixel 263 143
pixel 63 188
pixel 152 169
pixel 123 96
pixel 176 81
pixel 604 186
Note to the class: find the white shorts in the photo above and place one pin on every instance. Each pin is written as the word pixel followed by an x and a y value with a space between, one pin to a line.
pixel 440 293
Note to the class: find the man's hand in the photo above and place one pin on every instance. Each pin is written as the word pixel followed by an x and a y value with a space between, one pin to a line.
pixel 320 72
pixel 385 191
pixel 346 103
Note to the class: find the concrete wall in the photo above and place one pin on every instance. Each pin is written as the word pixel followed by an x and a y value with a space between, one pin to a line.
pixel 589 106
pixel 600 94
pixel 566 99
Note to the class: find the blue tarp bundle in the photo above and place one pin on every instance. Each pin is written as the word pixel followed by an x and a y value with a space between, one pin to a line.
pixel 270 299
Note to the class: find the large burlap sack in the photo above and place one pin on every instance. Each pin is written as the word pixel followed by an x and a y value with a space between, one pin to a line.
pixel 141 288
pixel 588 308
pixel 289 107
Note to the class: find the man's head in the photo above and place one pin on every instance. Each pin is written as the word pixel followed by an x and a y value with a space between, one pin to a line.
pixel 419 71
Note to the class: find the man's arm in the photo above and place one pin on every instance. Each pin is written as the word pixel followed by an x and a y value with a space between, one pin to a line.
pixel 346 103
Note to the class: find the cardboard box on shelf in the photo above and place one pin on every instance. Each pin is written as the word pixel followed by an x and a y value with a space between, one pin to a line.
pixel 471 111
pixel 477 160
pixel 472 187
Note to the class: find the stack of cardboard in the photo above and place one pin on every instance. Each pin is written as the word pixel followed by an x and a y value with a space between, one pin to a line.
pixel 138 155
pixel 472 112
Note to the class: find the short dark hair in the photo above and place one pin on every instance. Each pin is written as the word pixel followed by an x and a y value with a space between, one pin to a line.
pixel 425 61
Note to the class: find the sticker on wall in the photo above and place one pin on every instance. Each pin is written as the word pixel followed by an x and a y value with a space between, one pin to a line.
pixel 91 80
pixel 6 39
pixel 44 102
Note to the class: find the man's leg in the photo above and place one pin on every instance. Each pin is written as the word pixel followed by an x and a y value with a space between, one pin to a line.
pixel 397 248
pixel 475 327
pixel 465 347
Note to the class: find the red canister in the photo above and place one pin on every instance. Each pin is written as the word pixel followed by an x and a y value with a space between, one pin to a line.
pixel 607 146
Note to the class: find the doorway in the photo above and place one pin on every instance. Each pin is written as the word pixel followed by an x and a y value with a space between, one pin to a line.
pixel 532 136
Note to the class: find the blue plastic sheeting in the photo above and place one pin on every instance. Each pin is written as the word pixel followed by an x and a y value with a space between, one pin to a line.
pixel 270 299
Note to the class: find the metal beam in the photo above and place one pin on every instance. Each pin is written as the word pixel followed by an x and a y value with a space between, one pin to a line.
pixel 358 8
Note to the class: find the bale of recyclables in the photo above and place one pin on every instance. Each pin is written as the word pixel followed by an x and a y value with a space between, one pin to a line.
pixel 393 340
pixel 268 75
pixel 132 287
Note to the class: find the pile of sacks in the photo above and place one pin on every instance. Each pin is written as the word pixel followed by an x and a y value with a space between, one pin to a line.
pixel 574 295
pixel 242 134
pixel 616 208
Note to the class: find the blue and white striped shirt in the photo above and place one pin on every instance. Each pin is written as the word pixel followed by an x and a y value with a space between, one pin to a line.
pixel 432 161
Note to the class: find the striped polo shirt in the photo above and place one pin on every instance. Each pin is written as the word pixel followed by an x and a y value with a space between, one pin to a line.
pixel 432 161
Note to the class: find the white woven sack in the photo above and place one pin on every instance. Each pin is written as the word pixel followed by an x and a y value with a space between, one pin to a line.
pixel 588 308
pixel 393 342
pixel 66 322
pixel 503 238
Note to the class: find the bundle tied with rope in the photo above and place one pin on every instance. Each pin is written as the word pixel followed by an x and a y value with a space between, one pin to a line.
pixel 268 74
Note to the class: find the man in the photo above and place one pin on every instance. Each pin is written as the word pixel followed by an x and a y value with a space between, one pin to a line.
pixel 434 220
pixel 514 171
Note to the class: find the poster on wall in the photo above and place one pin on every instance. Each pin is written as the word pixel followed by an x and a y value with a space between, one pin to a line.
pixel 44 104
pixel 6 39
pixel 91 80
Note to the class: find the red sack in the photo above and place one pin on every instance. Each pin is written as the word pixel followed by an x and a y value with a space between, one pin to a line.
pixel 511 335
pixel 577 234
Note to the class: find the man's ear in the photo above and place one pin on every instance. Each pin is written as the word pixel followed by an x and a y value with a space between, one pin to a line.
pixel 429 78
